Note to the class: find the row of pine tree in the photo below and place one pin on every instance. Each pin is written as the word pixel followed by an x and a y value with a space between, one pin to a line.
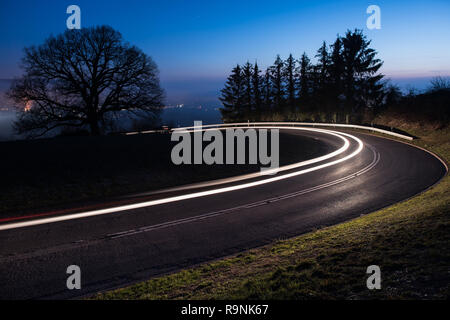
pixel 344 82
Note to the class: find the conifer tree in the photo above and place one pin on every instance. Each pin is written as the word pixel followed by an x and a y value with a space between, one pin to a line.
pixel 362 85
pixel 344 82
pixel 323 65
pixel 267 91
pixel 321 86
pixel 247 74
pixel 305 78
pixel 289 71
pixel 232 96
pixel 257 88
pixel 336 76
pixel 278 83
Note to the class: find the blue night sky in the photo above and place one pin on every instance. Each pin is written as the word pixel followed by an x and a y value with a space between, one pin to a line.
pixel 198 42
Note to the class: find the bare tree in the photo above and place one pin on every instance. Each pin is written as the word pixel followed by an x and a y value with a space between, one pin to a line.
pixel 439 83
pixel 82 77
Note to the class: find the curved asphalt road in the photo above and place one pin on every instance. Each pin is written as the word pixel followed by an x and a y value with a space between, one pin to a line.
pixel 124 247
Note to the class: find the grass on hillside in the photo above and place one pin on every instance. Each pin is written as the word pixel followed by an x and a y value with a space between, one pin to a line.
pixel 410 241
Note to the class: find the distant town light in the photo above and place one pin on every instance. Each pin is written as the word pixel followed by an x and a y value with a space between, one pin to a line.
pixel 28 106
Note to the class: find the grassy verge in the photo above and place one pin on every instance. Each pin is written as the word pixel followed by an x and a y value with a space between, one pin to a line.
pixel 410 241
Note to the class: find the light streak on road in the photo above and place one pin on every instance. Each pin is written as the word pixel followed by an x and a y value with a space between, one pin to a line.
pixel 202 193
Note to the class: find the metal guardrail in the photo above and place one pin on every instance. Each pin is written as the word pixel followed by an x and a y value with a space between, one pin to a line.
pixel 311 124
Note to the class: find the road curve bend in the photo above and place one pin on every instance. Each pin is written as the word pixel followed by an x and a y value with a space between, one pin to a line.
pixel 116 246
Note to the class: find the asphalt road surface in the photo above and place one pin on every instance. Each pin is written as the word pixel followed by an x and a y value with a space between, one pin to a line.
pixel 123 247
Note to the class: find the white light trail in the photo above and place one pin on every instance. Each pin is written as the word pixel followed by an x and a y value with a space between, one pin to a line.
pixel 196 194
pixel 259 173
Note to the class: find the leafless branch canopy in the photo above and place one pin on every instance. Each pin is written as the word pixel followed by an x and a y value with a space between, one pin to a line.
pixel 82 76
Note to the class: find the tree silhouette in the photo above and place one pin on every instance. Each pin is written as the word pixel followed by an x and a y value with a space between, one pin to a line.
pixel 336 76
pixel 321 86
pixel 267 91
pixel 305 79
pixel 323 65
pixel 362 87
pixel 81 77
pixel 276 72
pixel 439 83
pixel 257 89
pixel 233 96
pixel 290 74
pixel 343 83
pixel 247 73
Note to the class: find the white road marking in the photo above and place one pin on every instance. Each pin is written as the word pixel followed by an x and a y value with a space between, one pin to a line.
pixel 89 242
